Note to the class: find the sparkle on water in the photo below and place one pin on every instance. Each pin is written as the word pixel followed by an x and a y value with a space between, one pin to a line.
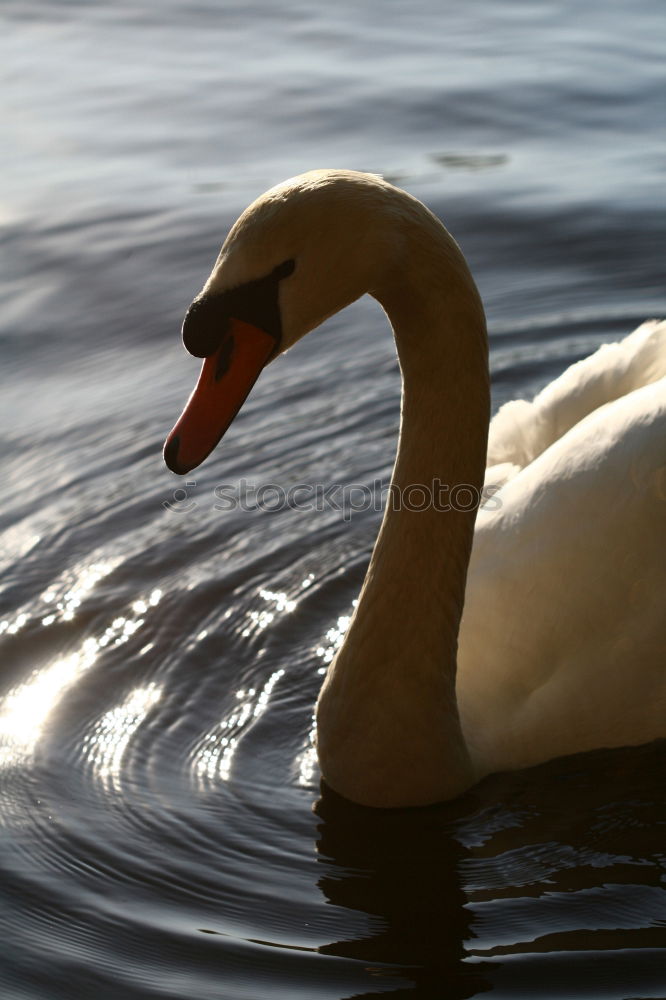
pixel 25 709
pixel 106 745
pixel 214 756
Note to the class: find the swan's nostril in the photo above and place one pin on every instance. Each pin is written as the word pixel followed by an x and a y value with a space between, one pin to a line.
pixel 225 358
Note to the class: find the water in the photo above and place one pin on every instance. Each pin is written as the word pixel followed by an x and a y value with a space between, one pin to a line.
pixel 160 663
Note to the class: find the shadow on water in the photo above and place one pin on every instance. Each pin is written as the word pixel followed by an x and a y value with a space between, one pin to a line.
pixel 402 868
pixel 546 882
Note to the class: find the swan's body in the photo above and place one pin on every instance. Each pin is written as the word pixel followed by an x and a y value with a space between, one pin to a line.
pixel 562 642
pixel 566 581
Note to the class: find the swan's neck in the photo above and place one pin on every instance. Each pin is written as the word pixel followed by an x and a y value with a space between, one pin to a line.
pixel 388 727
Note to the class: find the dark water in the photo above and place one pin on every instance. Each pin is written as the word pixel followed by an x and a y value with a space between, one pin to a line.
pixel 160 663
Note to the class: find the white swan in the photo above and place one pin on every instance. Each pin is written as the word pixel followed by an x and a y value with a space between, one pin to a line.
pixel 563 639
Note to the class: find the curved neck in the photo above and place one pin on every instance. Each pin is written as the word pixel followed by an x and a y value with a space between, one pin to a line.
pixel 388 727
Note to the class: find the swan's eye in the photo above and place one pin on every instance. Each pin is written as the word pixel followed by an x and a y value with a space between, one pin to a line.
pixel 284 269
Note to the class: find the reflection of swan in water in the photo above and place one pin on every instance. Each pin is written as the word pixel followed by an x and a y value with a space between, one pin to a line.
pixel 486 893
pixel 403 869
pixel 561 647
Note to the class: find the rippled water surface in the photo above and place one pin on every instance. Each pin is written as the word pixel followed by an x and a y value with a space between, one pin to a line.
pixel 160 657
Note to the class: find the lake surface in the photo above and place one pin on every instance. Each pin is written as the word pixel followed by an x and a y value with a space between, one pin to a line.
pixel 160 657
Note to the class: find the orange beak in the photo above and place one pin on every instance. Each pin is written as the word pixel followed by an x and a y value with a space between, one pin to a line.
pixel 224 384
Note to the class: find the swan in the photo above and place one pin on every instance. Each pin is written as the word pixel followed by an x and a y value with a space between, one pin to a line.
pixel 482 640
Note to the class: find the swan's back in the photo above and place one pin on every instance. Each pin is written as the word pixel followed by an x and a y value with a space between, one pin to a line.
pixel 561 645
pixel 523 430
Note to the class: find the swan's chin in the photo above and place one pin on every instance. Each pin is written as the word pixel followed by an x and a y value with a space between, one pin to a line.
pixel 224 383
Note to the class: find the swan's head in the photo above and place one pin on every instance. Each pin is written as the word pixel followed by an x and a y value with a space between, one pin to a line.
pixel 301 252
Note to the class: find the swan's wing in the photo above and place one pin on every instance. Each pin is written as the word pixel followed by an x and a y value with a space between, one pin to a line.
pixel 522 430
pixel 563 637
pixel 496 476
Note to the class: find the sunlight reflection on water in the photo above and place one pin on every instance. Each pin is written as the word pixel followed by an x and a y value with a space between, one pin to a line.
pixel 262 619
pixel 63 597
pixel 25 709
pixel 214 757
pixel 105 747
pixel 307 763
